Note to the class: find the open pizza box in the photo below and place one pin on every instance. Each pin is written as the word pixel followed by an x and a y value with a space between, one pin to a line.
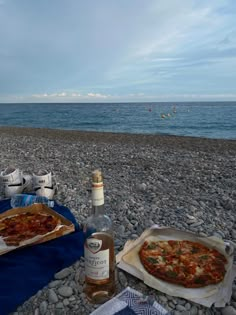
pixel 63 227
pixel 218 294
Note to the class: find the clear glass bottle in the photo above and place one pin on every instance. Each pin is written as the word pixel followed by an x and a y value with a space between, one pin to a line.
pixel 99 248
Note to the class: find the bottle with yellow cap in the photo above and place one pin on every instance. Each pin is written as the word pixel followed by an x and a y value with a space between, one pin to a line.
pixel 99 251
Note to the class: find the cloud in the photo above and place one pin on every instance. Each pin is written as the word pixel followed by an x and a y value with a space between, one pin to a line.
pixel 97 95
pixel 118 48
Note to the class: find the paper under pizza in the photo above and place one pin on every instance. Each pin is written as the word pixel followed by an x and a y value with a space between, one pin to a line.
pixel 186 263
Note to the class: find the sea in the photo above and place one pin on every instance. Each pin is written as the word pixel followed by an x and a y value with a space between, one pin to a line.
pixel 215 120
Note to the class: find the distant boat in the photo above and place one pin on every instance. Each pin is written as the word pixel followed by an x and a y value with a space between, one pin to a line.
pixel 163 116
pixel 174 109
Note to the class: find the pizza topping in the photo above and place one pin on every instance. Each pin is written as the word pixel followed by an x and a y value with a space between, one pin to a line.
pixel 24 226
pixel 187 263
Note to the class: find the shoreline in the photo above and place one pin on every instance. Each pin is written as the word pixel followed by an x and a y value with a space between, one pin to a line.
pixel 110 137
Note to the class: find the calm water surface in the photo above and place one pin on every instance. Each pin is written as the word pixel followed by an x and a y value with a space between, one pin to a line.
pixel 210 120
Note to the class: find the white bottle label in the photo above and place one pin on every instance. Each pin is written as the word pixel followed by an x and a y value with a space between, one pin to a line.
pixel 97 194
pixel 96 260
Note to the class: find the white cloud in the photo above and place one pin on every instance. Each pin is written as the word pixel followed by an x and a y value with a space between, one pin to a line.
pixel 97 95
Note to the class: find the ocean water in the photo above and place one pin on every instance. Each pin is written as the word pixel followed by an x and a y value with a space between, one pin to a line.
pixel 203 119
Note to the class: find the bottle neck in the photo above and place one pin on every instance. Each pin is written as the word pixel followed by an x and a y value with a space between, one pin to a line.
pixel 98 210
pixel 97 198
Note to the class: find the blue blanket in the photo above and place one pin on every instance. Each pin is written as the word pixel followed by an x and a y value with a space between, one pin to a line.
pixel 25 271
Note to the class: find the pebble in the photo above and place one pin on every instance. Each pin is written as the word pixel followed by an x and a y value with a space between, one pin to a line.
pixel 163 298
pixel 43 307
pixel 122 279
pixel 164 183
pixel 52 296
pixel 233 232
pixel 63 273
pixel 228 310
pixel 54 284
pixel 196 224
pixel 65 291
pixel 180 308
pixel 194 310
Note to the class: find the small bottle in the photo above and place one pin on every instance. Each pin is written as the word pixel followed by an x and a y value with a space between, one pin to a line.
pixel 99 251
pixel 23 200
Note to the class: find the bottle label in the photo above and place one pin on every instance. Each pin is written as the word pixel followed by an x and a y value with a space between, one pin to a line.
pixel 96 260
pixel 97 194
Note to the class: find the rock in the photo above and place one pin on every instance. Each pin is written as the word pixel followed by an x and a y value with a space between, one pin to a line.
pixel 62 274
pixel 80 276
pixel 194 310
pixel 228 310
pixel 59 305
pixel 196 224
pixel 121 230
pixel 142 187
pixel 180 308
pixel 43 307
pixel 52 296
pixel 163 298
pixel 54 284
pixel 65 291
pixel 122 279
pixel 66 302
pixel 187 306
pixel 233 232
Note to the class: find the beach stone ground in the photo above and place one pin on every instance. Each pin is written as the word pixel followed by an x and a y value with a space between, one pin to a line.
pixel 181 182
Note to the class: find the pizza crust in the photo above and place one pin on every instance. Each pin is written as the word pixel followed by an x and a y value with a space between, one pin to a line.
pixel 186 263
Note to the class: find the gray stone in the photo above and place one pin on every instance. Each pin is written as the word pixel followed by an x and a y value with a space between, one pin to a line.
pixel 36 311
pixel 59 305
pixel 233 232
pixel 193 310
pixel 196 224
pixel 163 298
pixel 121 230
pixel 80 276
pixel 228 310
pixel 43 307
pixel 62 274
pixel 54 284
pixel 180 308
pixel 65 291
pixel 171 304
pixel 122 279
pixel 52 296
pixel 66 302
pixel 187 306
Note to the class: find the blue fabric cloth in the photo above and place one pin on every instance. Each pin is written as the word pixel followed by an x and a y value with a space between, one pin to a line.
pixel 25 271
pixel 126 311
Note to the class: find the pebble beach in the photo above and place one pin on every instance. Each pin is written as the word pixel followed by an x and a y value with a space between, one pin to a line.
pixel 183 182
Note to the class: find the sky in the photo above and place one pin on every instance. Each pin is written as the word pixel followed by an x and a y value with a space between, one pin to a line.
pixel 117 50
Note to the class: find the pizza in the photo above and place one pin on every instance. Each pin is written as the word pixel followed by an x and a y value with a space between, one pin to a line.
pixel 186 263
pixel 25 226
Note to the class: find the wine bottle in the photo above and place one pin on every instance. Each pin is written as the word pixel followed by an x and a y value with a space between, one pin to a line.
pixel 99 251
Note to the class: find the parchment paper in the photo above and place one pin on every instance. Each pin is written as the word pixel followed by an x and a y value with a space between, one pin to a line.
pixel 218 294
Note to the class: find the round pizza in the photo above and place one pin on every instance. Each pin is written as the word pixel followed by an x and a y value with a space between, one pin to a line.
pixel 24 226
pixel 186 263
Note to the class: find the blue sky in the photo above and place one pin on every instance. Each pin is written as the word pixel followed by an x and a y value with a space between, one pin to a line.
pixel 117 50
